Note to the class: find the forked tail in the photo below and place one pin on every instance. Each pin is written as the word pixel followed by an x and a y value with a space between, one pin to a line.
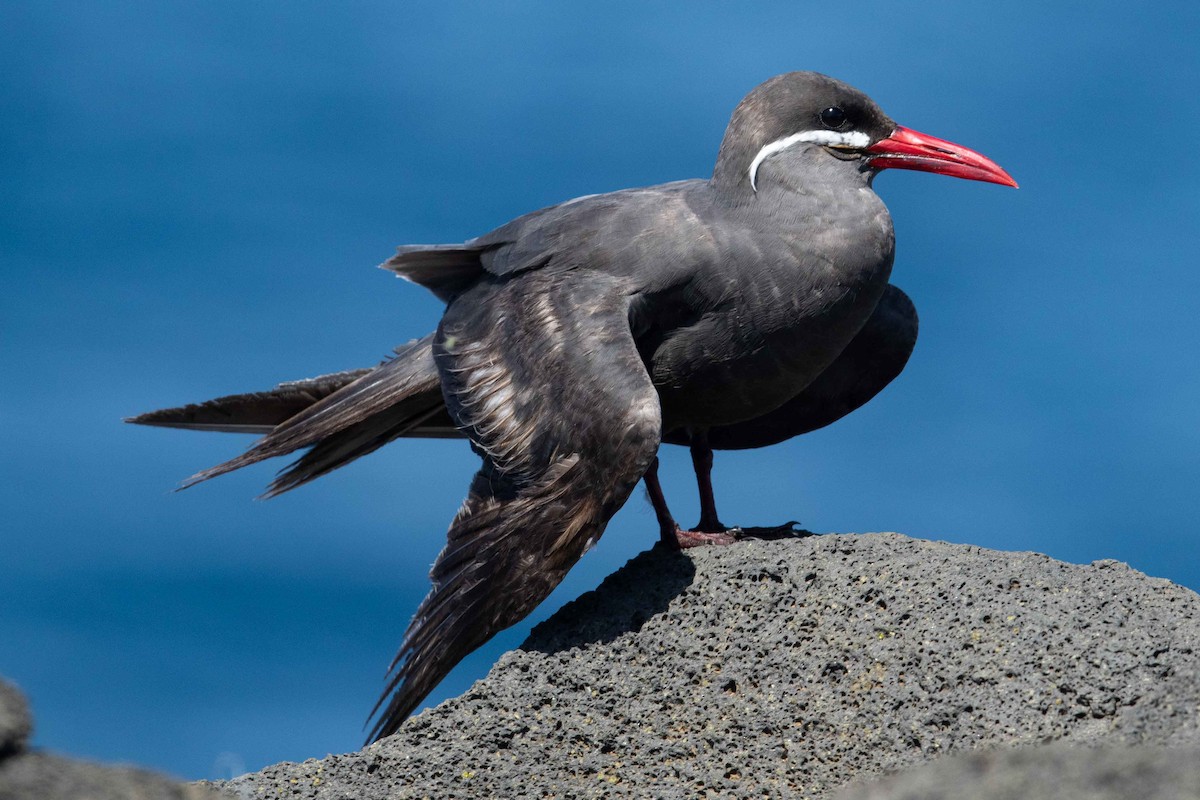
pixel 341 416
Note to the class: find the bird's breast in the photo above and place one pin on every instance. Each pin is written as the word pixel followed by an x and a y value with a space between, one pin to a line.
pixel 770 319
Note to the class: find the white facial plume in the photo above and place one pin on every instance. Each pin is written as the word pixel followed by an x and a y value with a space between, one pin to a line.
pixel 851 140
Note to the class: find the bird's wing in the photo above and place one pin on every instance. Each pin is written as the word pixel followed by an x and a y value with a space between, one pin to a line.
pixel 605 232
pixel 444 269
pixel 602 231
pixel 877 354
pixel 252 412
pixel 543 375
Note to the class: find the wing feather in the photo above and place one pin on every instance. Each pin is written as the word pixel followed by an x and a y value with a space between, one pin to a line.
pixel 543 376
pixel 444 269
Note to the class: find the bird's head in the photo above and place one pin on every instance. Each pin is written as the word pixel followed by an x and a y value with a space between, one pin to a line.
pixel 807 110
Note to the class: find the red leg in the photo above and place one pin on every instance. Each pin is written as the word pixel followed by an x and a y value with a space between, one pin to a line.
pixel 668 529
pixel 702 462
pixel 710 528
pixel 669 532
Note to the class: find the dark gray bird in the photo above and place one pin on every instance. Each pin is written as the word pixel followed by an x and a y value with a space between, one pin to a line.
pixel 731 312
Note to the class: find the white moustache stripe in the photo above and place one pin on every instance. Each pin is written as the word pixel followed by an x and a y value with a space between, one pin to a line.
pixel 854 139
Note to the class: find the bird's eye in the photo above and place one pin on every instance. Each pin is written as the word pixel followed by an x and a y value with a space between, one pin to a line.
pixel 833 117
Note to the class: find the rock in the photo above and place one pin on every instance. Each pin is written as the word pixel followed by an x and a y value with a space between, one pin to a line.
pixel 16 723
pixel 1057 771
pixel 791 668
pixel 28 775
pixel 41 776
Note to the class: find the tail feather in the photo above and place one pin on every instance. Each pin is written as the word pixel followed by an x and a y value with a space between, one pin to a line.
pixel 253 412
pixel 382 404
pixel 363 437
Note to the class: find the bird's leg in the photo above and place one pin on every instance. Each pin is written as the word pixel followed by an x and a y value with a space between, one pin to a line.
pixel 669 532
pixel 710 524
pixel 702 462
pixel 667 527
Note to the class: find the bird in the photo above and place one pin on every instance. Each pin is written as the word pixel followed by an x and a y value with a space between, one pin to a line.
pixel 876 355
pixel 730 312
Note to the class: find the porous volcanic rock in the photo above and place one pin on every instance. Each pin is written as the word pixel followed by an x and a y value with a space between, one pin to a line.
pixel 1055 772
pixel 792 668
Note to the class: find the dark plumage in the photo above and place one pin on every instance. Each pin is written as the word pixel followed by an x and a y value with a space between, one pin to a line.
pixel 732 312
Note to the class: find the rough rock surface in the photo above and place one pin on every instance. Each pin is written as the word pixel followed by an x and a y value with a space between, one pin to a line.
pixel 1053 772
pixel 791 668
pixel 26 775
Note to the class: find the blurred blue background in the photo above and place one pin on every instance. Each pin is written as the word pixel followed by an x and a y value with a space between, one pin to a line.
pixel 195 196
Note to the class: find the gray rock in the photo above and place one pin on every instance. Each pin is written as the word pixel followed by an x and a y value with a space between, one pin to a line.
pixel 41 776
pixel 788 669
pixel 1053 772
pixel 28 775
pixel 16 723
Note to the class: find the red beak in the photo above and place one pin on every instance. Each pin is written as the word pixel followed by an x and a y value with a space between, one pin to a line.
pixel 907 149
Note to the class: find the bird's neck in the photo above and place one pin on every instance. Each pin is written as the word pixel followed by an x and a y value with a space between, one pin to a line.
pixel 824 207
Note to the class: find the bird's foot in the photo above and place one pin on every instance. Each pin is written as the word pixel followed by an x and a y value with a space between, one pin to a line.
pixel 685 539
